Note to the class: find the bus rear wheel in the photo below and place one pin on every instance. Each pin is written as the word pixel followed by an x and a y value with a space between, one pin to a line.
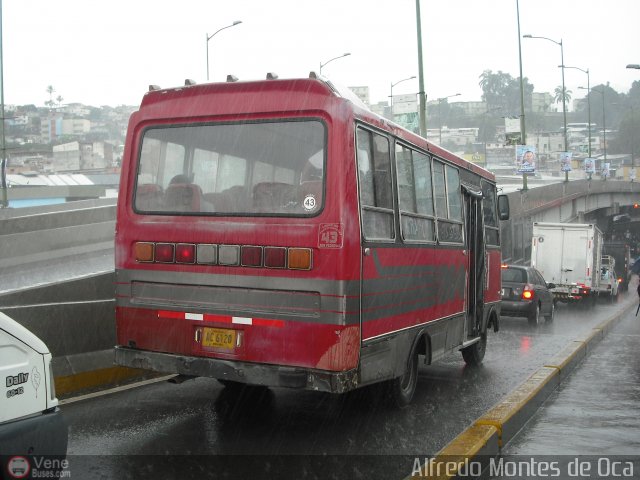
pixel 474 354
pixel 403 387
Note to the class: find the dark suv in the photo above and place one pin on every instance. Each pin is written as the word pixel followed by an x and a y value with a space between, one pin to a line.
pixel 526 294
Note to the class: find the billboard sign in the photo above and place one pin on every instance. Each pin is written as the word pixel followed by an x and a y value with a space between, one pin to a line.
pixel 565 161
pixel 526 159
pixel 589 165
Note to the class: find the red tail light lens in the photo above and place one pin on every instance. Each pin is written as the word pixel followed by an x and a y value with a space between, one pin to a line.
pixel 527 293
pixel 251 256
pixel 185 253
pixel 165 252
pixel 275 257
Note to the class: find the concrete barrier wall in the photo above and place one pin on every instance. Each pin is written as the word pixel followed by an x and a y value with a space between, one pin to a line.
pixel 33 236
pixel 74 318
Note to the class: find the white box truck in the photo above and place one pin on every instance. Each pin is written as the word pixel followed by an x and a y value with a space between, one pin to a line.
pixel 569 255
pixel 31 424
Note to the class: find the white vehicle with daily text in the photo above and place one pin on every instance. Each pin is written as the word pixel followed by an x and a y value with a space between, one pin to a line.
pixel 30 421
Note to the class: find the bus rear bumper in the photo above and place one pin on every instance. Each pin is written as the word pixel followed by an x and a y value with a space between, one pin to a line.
pixel 242 372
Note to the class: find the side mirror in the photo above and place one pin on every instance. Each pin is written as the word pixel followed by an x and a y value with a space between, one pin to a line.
pixel 503 207
pixel 551 285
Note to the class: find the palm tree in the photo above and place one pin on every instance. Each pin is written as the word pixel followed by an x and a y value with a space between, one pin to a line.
pixel 558 96
pixel 50 91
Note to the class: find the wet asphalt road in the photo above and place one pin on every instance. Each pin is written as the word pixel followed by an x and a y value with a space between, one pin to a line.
pixel 200 417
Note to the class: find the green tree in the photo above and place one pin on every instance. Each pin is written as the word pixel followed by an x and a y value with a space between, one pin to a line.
pixel 627 140
pixel 502 91
pixel 559 95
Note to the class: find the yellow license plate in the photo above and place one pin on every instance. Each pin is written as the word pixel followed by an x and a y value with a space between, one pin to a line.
pixel 219 338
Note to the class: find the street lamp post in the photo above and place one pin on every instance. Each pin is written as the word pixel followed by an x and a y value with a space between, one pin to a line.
pixel 564 94
pixel 3 147
pixel 588 105
pixel 440 100
pixel 604 125
pixel 209 37
pixel 332 59
pixel 422 117
pixel 523 134
pixel 391 96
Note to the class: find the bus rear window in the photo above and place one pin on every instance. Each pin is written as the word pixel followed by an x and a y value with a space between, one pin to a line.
pixel 266 168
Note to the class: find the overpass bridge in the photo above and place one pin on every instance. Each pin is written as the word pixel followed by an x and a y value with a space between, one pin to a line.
pixel 57 266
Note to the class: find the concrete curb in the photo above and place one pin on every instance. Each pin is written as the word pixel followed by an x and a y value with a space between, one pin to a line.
pixel 489 433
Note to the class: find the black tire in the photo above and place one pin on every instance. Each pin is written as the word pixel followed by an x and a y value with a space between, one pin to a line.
pixel 534 317
pixel 549 318
pixel 403 388
pixel 474 354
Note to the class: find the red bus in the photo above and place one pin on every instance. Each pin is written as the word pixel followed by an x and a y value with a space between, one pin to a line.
pixel 278 233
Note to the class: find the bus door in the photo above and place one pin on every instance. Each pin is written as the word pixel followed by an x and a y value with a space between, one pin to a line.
pixel 378 227
pixel 474 229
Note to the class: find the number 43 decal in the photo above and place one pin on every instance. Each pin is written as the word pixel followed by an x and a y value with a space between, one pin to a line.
pixel 330 235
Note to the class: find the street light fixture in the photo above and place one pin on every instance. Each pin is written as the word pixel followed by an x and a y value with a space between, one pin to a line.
pixel 209 37
pixel 564 93
pixel 391 96
pixel 440 100
pixel 634 65
pixel 604 126
pixel 331 60
pixel 588 107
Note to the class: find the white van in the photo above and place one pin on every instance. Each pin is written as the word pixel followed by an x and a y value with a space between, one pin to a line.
pixel 30 421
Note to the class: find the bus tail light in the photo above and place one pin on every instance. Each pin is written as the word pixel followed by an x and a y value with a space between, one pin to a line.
pixel 275 257
pixel 293 258
pixel 300 258
pixel 207 254
pixel 143 251
pixel 185 253
pixel 251 256
pixel 165 252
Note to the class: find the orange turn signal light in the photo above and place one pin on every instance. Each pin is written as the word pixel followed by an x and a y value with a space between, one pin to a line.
pixel 143 251
pixel 299 258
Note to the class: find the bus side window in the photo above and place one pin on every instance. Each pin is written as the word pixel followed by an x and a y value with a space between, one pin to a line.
pixel 448 199
pixel 415 195
pixel 374 177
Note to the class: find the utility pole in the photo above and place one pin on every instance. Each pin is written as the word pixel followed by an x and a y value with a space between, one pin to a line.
pixel 523 135
pixel 421 95
pixel 3 146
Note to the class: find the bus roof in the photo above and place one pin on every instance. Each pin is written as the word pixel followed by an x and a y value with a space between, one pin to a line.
pixel 299 94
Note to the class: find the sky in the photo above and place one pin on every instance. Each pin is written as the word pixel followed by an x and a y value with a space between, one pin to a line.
pixel 108 53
